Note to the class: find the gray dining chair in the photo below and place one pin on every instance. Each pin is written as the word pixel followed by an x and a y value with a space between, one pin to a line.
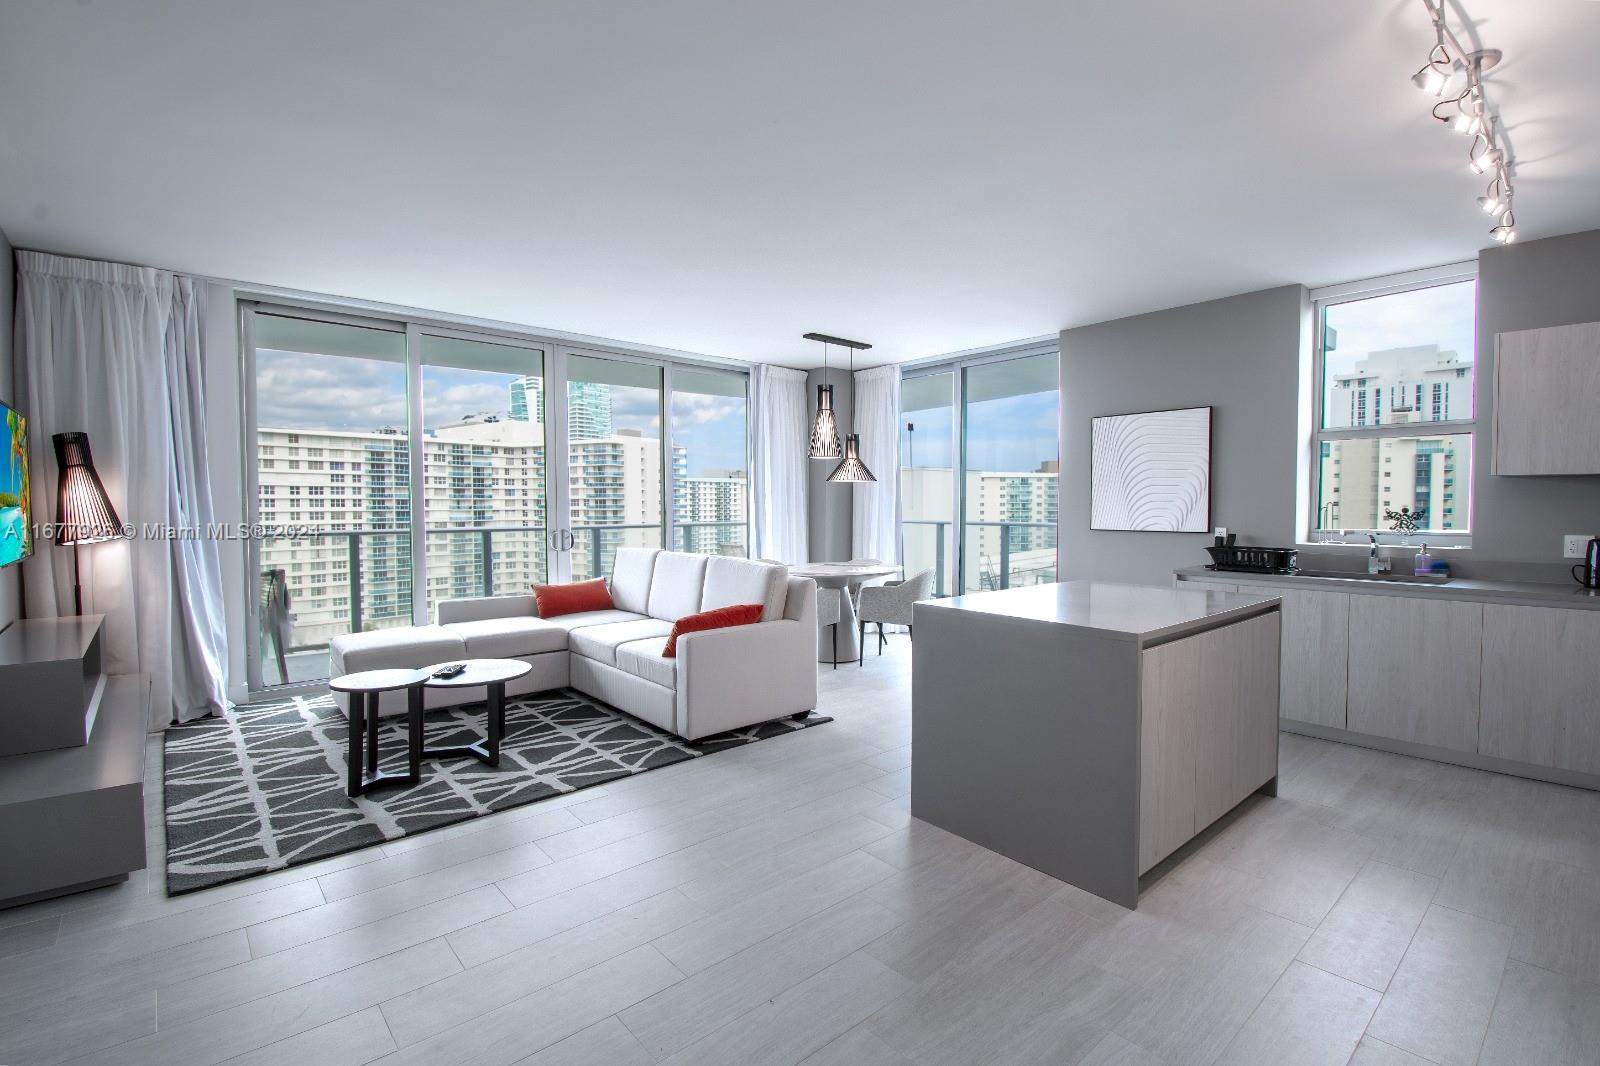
pixel 891 604
pixel 828 616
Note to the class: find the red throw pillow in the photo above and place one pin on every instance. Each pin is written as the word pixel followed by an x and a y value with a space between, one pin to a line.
pixel 738 615
pixel 554 600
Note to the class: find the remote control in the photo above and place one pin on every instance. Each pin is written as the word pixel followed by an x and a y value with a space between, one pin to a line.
pixel 453 670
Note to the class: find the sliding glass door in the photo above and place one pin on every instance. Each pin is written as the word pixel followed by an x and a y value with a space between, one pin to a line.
pixel 979 454
pixel 333 482
pixel 515 462
pixel 614 462
pixel 928 447
pixel 1010 461
pixel 710 461
pixel 483 485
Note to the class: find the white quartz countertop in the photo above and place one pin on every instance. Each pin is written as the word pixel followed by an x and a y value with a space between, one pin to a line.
pixel 1513 593
pixel 1127 612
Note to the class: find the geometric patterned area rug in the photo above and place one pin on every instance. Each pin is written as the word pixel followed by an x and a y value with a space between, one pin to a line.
pixel 261 787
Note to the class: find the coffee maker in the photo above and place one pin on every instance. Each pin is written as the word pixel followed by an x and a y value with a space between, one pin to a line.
pixel 1587 572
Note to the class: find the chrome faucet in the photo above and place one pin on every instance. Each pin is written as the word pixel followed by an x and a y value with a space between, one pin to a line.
pixel 1372 554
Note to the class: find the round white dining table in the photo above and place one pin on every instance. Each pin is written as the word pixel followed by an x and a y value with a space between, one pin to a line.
pixel 849 577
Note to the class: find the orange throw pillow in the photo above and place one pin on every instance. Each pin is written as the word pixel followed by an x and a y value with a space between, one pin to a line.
pixel 738 615
pixel 554 600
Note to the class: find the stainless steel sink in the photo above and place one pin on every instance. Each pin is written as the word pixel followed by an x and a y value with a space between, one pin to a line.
pixel 1360 575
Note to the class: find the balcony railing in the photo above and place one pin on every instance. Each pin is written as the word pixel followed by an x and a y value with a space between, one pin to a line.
pixel 997 570
pixel 366 582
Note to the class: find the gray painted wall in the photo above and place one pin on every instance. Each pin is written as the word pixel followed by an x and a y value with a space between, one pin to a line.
pixel 1238 355
pixel 829 515
pixel 10 597
pixel 1242 355
pixel 1551 282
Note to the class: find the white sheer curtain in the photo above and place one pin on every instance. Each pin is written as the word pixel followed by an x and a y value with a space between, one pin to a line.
pixel 778 398
pixel 875 509
pixel 115 351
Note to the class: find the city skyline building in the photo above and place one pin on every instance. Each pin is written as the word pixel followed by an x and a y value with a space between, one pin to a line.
pixel 588 406
pixel 484 498
pixel 1365 479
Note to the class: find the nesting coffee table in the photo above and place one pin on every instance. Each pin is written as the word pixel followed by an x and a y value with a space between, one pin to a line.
pixel 365 687
pixel 492 675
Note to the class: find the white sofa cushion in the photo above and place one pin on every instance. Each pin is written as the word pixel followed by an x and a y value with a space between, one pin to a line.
pixel 507 638
pixel 643 658
pixel 601 642
pixel 401 648
pixel 630 579
pixel 481 607
pixel 675 586
pixel 569 622
pixel 735 581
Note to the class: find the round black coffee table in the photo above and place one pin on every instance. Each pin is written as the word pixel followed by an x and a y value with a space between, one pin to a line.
pixel 490 674
pixel 363 689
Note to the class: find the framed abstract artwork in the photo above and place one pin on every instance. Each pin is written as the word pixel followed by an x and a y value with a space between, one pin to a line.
pixel 1151 471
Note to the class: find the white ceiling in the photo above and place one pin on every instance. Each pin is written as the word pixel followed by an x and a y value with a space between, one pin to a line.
pixel 720 176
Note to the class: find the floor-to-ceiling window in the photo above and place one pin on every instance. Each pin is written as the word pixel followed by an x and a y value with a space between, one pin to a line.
pixel 980 455
pixel 483 489
pixel 1010 461
pixel 615 464
pixel 333 488
pixel 927 477
pixel 710 457
pixel 515 460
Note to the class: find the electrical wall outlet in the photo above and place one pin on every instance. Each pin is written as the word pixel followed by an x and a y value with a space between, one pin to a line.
pixel 1222 532
pixel 1573 545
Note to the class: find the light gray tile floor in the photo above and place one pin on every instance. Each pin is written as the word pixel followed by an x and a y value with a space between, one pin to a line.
pixel 777 904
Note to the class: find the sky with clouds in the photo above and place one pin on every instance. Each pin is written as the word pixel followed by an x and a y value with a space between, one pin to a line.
pixel 1444 315
pixel 1012 434
pixel 298 390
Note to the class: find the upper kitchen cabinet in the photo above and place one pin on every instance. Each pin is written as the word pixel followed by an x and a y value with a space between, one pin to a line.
pixel 1546 392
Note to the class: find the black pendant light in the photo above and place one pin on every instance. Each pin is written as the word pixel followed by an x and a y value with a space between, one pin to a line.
pixel 851 470
pixel 825 428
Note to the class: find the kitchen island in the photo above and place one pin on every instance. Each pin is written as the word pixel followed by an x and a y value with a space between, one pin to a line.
pixel 1090 729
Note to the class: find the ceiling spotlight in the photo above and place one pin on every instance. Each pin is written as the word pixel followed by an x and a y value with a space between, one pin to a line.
pixel 1431 80
pixel 1484 161
pixel 1493 206
pixel 1435 74
pixel 1504 234
pixel 1467 118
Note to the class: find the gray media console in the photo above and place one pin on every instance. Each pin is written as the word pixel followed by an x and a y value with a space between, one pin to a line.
pixel 71 762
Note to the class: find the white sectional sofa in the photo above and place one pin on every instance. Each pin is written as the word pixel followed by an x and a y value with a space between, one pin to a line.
pixel 721 679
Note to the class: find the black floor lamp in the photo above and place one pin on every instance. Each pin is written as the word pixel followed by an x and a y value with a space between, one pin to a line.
pixel 84 514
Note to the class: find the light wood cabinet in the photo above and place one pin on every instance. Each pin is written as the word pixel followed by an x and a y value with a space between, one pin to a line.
pixel 1541 687
pixel 1414 670
pixel 1209 735
pixel 1169 682
pixel 1316 657
pixel 1212 586
pixel 1546 385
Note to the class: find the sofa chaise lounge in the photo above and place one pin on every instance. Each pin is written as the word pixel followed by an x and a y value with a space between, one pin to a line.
pixel 721 679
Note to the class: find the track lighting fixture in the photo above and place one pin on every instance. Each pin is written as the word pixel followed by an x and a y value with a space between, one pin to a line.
pixel 1467 113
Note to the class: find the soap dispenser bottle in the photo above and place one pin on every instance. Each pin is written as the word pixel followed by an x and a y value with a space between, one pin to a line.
pixel 1424 566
